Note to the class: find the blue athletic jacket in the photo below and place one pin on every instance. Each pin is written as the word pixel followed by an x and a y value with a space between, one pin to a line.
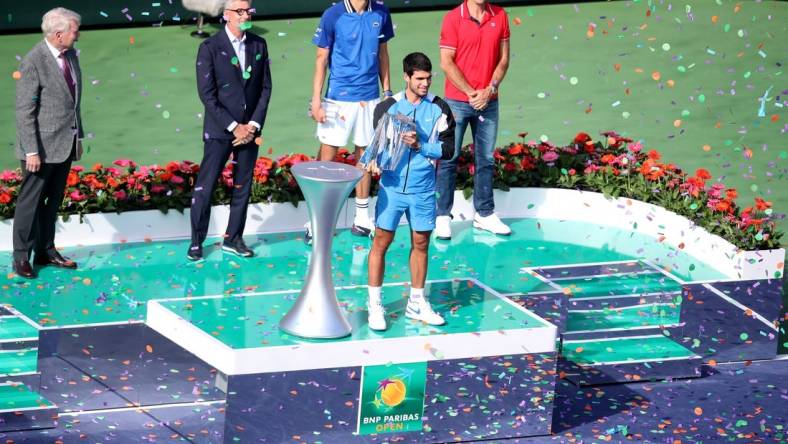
pixel 435 125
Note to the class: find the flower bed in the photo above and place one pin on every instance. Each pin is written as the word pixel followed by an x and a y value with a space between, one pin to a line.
pixel 615 166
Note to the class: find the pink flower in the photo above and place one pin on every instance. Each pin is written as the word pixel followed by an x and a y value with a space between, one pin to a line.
pixel 176 179
pixel 157 188
pixel 550 156
pixel 125 163
pixel 78 168
pixel 10 175
pixel 635 147
pixel 120 195
pixel 77 196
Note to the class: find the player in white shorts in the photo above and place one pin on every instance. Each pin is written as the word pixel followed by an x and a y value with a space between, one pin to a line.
pixel 356 65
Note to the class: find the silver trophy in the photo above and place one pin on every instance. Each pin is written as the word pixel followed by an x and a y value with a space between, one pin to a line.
pixel 387 147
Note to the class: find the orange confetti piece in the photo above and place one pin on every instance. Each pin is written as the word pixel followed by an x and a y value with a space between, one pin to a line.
pixel 16 75
pixel 698 411
pixel 670 83
pixel 712 362
pixel 87 281
pixel 579 350
pixel 775 118
pixel 517 21
pixel 677 123
pixel 258 141
pixel 617 67
pixel 131 40
pixel 149 348
pixel 714 19
pixel 706 147
pixel 656 75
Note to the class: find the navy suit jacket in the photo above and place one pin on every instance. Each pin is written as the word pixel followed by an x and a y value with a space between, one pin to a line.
pixel 227 96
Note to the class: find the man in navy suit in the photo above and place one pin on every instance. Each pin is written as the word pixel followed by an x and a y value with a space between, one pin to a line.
pixel 234 84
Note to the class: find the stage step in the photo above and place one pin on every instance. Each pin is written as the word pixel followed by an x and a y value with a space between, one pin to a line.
pixel 616 318
pixel 16 329
pixel 619 285
pixel 628 359
pixel 23 409
pixel 18 362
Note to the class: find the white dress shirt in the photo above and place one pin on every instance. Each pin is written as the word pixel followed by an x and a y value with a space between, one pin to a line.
pixel 239 46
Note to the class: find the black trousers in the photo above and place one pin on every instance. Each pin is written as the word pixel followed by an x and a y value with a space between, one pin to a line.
pixel 35 216
pixel 216 153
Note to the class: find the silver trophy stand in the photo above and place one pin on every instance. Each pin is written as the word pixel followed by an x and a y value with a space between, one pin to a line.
pixel 316 312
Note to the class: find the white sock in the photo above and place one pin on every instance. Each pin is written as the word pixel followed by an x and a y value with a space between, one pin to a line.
pixel 362 210
pixel 416 294
pixel 374 295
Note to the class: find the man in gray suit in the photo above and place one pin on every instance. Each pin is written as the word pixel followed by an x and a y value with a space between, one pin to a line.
pixel 49 133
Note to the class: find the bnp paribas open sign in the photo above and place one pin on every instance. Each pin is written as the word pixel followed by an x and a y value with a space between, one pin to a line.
pixel 392 398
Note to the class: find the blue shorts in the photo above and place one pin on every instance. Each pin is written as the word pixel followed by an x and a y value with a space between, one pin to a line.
pixel 418 207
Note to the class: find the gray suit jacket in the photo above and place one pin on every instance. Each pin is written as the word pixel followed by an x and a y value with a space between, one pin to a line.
pixel 46 114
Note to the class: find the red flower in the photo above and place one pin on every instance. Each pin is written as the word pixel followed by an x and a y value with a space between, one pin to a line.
pixel 582 138
pixel 572 172
pixel 702 174
pixel 654 155
pixel 731 194
pixel 120 195
pixel 762 205
pixel 5 198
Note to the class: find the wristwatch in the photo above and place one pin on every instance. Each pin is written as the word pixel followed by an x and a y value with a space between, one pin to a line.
pixel 493 89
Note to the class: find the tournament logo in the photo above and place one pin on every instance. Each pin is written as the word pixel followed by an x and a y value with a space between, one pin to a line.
pixel 392 398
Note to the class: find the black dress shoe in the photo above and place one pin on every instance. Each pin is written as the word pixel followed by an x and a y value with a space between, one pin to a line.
pixel 238 248
pixel 194 253
pixel 24 269
pixel 54 258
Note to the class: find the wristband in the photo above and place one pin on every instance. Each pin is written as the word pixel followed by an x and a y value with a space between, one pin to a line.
pixel 388 93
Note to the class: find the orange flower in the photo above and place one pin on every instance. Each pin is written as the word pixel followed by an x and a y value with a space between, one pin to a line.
pixel 731 194
pixel 73 178
pixel 654 155
pixel 516 149
pixel 723 206
pixel 608 158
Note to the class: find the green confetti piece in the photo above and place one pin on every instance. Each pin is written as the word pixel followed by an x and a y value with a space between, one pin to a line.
pixel 691 267
pixel 173 70
pixel 681 68
pixel 747 75
pixel 245 26
pixel 740 33
pixel 165 114
pixel 754 188
pixel 744 336
pixel 726 28
pixel 258 57
pixel 783 154
pixel 247 75
pixel 685 113
pixel 234 60
pixel 666 46
pixel 693 206
pixel 701 98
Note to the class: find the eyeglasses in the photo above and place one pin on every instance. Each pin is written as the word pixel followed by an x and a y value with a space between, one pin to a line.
pixel 241 11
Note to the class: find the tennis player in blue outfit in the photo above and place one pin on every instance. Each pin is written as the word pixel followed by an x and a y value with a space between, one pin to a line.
pixel 352 47
pixel 409 188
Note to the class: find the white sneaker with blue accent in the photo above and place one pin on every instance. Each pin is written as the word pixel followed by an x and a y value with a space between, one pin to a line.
pixel 421 310
pixel 376 316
